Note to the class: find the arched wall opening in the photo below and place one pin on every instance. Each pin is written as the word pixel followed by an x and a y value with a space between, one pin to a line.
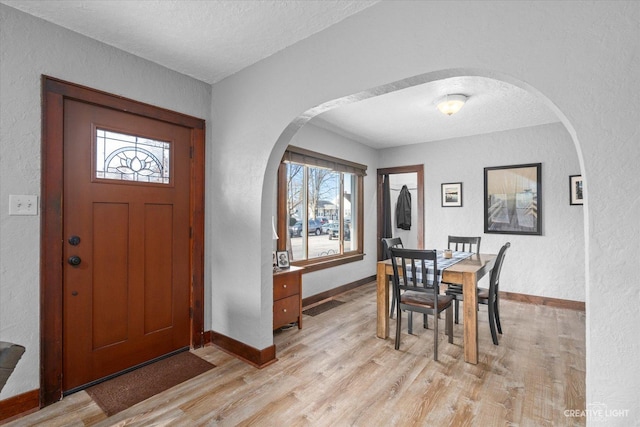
pixel 285 138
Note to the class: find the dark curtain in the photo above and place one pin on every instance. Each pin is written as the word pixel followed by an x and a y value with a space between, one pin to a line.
pixel 387 232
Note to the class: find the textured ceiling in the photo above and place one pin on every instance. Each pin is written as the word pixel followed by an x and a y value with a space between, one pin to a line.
pixel 205 39
pixel 210 40
pixel 410 116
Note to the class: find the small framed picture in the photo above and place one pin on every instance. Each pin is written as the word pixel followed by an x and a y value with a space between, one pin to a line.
pixel 576 192
pixel 452 194
pixel 283 259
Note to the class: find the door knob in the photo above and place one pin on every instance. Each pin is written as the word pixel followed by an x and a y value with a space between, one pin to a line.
pixel 74 240
pixel 74 260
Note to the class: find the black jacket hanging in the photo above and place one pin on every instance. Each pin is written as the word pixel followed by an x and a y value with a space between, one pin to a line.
pixel 403 209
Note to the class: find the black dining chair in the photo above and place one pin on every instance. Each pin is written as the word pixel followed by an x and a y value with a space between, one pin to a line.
pixel 414 292
pixel 491 297
pixel 464 244
pixel 391 242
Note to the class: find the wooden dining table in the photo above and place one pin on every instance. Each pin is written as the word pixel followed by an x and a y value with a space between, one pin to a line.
pixel 466 273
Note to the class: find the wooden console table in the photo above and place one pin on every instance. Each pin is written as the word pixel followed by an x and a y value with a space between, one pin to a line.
pixel 287 297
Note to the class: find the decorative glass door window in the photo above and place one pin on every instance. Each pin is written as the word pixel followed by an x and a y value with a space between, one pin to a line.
pixel 131 158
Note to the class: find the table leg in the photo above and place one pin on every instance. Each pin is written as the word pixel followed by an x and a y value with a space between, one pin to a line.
pixel 470 310
pixel 382 321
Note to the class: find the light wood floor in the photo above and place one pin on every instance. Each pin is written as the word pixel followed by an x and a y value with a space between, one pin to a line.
pixel 335 372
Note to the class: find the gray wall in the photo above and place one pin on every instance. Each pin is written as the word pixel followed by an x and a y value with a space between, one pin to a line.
pixel 550 265
pixel 30 48
pixel 581 58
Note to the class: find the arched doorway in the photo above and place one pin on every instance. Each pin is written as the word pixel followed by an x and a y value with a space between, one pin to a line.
pixel 302 120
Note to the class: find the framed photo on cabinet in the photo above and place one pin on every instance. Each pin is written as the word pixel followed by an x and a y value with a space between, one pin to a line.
pixel 283 259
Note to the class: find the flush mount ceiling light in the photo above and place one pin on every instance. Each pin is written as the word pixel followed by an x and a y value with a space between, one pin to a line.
pixel 451 104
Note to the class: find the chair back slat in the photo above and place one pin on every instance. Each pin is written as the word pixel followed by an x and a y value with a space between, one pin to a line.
pixel 406 265
pixel 464 244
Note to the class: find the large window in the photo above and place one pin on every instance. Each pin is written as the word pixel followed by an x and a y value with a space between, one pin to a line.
pixel 320 208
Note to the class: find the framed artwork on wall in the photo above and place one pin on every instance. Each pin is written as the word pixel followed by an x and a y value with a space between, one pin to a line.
pixel 451 194
pixel 513 199
pixel 576 193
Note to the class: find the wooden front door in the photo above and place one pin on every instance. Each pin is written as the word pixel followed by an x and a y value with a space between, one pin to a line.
pixel 126 241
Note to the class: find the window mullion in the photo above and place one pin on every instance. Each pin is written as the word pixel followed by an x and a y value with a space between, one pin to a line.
pixel 341 207
pixel 305 213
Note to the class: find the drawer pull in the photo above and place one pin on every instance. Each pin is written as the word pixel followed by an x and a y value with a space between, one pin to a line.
pixel 284 286
pixel 284 310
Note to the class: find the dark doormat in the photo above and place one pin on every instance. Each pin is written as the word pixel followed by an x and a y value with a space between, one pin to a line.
pixel 321 308
pixel 124 391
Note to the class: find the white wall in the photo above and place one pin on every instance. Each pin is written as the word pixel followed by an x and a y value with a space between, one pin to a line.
pixel 560 250
pixel 322 141
pixel 580 58
pixel 550 265
pixel 30 47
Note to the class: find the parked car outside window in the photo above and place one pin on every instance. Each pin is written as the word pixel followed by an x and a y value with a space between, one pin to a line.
pixel 326 228
pixel 314 227
pixel 334 231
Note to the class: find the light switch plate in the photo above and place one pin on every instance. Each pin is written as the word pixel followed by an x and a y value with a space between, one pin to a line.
pixel 23 204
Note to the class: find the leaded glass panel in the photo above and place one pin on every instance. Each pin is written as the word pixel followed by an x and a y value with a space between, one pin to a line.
pixel 131 158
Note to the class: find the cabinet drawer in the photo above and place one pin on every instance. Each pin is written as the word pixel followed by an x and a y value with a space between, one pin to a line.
pixel 285 285
pixel 285 311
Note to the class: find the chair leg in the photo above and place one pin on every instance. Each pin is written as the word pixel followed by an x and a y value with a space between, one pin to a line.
pixel 398 326
pixel 410 326
pixel 449 320
pixel 435 337
pixel 492 324
pixel 457 308
pixel 425 323
pixel 497 316
pixel 393 303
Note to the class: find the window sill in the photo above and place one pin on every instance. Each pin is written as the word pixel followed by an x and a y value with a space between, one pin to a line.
pixel 321 264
